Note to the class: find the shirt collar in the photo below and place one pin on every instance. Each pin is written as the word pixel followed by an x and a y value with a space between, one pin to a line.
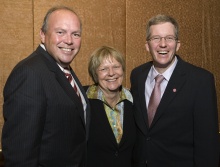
pixel 167 74
pixel 94 92
pixel 42 45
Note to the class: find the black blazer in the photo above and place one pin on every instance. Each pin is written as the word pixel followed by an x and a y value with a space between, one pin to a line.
pixel 184 132
pixel 44 118
pixel 103 150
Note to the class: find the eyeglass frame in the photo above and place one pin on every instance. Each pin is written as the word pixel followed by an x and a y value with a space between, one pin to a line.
pixel 168 39
pixel 107 69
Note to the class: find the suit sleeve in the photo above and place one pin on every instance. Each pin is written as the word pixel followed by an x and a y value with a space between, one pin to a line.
pixel 24 112
pixel 139 159
pixel 132 81
pixel 206 144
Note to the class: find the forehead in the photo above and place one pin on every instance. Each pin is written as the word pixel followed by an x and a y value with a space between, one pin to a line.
pixel 108 61
pixel 162 29
pixel 62 17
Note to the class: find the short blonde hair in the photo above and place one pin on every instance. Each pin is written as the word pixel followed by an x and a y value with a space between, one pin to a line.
pixel 158 19
pixel 99 55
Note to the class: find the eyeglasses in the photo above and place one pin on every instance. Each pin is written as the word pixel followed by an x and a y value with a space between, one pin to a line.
pixel 168 39
pixel 107 69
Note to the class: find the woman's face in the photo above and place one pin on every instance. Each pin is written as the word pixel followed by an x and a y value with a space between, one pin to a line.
pixel 110 75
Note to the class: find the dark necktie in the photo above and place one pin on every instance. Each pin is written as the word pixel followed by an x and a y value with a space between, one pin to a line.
pixel 154 98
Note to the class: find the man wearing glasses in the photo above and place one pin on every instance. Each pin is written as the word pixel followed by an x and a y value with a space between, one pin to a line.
pixel 175 104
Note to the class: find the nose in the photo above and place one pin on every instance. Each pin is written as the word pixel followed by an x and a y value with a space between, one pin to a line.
pixel 162 42
pixel 111 71
pixel 68 39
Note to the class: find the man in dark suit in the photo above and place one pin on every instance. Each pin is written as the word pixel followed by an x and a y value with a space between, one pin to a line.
pixel 46 122
pixel 183 131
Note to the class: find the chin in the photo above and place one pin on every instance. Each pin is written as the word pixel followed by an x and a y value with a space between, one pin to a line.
pixel 114 89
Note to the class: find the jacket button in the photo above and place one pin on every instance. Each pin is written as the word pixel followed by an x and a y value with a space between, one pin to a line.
pixel 116 153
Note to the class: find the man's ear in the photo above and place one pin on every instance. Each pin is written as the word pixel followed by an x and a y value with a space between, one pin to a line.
pixel 178 45
pixel 147 46
pixel 42 36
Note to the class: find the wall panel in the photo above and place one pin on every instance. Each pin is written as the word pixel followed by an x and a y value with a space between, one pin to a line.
pixel 16 38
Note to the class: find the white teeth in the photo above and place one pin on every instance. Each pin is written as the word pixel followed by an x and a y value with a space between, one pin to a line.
pixel 66 49
pixel 163 52
pixel 111 80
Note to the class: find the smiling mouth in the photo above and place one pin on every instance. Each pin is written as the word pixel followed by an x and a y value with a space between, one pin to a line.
pixel 163 52
pixel 66 49
pixel 111 80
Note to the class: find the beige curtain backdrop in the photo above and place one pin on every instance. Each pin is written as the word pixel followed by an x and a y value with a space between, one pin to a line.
pixel 117 23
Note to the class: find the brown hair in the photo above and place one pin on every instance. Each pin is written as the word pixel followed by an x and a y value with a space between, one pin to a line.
pixel 158 19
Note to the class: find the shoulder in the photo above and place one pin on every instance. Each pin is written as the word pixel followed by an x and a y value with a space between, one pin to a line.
pixel 85 87
pixel 193 69
pixel 142 67
pixel 34 61
pixel 195 74
pixel 32 68
pixel 140 70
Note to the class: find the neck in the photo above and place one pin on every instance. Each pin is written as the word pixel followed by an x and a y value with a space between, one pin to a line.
pixel 112 98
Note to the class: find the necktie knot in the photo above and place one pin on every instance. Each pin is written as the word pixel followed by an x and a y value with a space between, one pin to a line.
pixel 159 78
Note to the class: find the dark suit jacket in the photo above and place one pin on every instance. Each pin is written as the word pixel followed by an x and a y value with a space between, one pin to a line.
pixel 184 132
pixel 44 118
pixel 103 150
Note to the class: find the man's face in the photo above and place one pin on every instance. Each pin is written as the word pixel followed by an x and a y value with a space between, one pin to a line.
pixel 63 36
pixel 162 52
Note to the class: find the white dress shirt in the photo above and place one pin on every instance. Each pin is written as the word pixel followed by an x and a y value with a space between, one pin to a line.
pixel 150 81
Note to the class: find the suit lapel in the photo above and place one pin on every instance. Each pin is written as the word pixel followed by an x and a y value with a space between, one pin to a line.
pixel 85 97
pixel 126 123
pixel 141 90
pixel 104 122
pixel 176 82
pixel 80 87
pixel 60 77
pixel 64 83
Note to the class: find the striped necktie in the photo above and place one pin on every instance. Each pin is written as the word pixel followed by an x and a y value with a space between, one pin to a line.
pixel 71 81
